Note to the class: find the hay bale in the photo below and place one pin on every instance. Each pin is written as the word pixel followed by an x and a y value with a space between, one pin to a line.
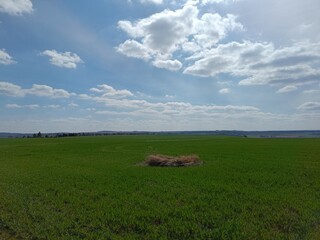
pixel 172 161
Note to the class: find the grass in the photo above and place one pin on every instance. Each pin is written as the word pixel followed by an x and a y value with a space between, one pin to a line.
pixel 92 188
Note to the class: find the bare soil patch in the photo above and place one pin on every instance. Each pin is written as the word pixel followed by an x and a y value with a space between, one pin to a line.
pixel 158 160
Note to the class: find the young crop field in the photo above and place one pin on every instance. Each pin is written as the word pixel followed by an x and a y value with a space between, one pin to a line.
pixel 97 188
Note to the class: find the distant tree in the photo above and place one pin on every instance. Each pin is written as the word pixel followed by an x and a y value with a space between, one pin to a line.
pixel 39 135
pixel 34 135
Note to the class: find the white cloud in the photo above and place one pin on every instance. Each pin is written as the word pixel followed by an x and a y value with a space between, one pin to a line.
pixel 117 122
pixel 152 1
pixel 53 106
pixel 47 91
pixel 163 32
pixel 129 106
pixel 205 2
pixel 109 92
pixel 132 108
pixel 66 59
pixel 172 65
pixel 125 112
pixel 288 88
pixel 224 90
pixel 16 7
pixel 311 91
pixel 10 89
pixel 310 106
pixel 225 83
pixel 12 106
pixel 173 108
pixel 13 90
pixel 191 37
pixel 211 28
pixel 32 106
pixel 132 48
pixel 73 105
pixel 160 35
pixel 5 58
pixel 226 58
pixel 15 106
pixel 260 63
pixel 190 47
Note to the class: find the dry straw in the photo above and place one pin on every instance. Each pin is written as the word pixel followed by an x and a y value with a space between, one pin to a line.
pixel 172 161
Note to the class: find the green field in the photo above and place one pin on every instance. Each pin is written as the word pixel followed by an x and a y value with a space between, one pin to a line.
pixel 93 188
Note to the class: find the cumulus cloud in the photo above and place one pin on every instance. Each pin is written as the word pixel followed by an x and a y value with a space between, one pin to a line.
pixel 132 48
pixel 66 59
pixel 310 106
pixel 196 41
pixel 110 92
pixel 172 65
pixel 211 28
pixel 260 63
pixel 5 58
pixel 162 32
pixel 13 90
pixel 224 90
pixel 188 37
pixel 288 88
pixel 12 106
pixel 47 91
pixel 16 7
pixel 10 89
pixel 160 35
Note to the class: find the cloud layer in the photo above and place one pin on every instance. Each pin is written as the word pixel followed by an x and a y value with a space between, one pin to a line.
pixel 260 63
pixel 13 90
pixel 126 110
pixel 15 106
pixel 194 42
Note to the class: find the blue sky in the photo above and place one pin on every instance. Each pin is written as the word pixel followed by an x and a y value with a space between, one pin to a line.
pixel 159 65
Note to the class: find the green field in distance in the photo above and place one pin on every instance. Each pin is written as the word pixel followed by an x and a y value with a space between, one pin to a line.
pixel 94 188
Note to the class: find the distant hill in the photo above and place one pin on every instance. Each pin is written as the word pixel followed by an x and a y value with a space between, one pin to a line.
pixel 12 135
pixel 251 134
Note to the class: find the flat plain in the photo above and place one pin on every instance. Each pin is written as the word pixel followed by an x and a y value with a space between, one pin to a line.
pixel 95 188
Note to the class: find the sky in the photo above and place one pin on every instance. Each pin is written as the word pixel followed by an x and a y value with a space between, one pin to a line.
pixel 159 65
